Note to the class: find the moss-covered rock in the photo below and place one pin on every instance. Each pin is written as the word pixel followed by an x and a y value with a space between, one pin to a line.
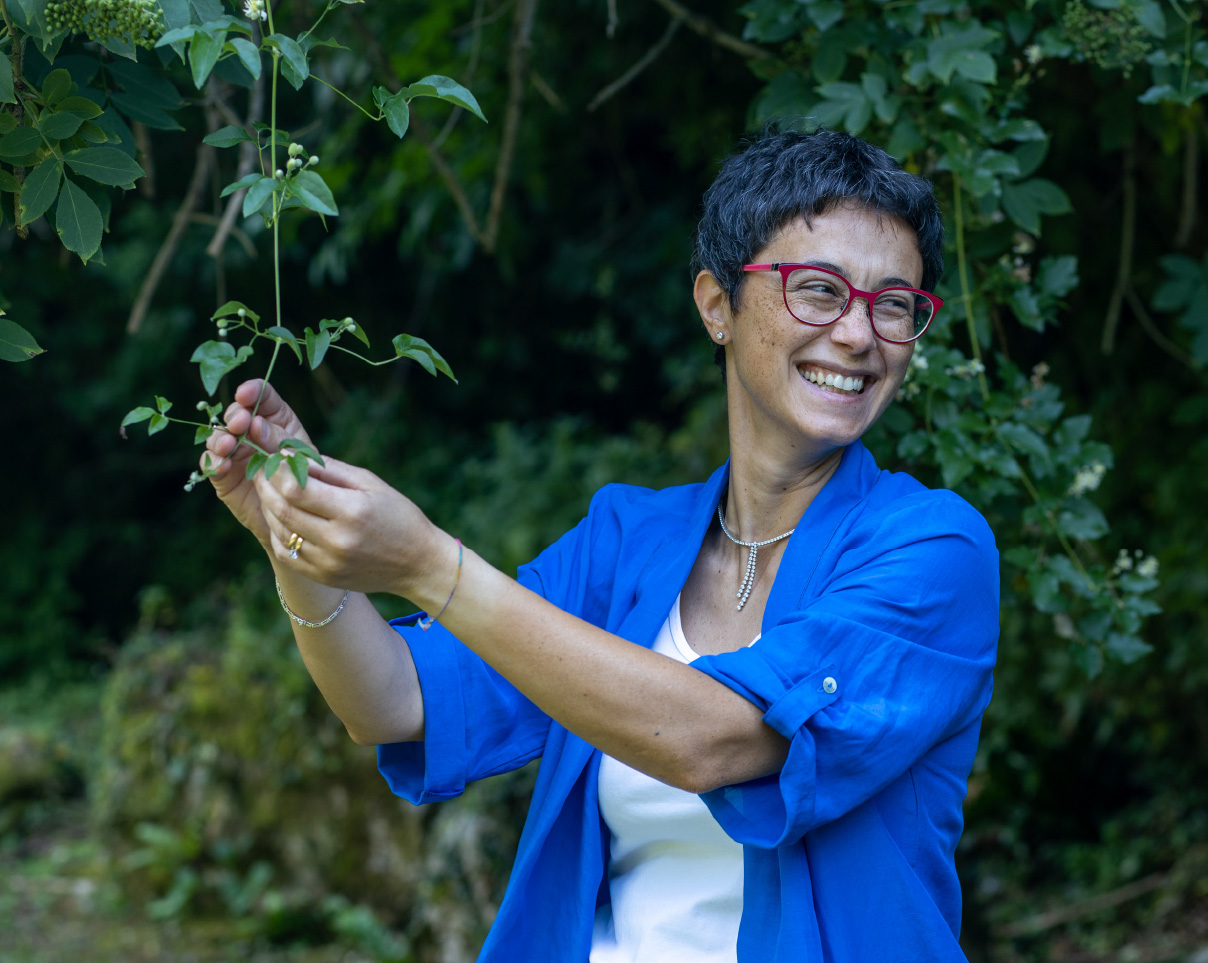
pixel 225 785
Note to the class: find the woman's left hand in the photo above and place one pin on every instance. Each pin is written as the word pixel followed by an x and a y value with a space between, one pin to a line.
pixel 357 532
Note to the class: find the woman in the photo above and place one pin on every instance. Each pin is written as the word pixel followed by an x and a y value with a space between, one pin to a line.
pixel 753 747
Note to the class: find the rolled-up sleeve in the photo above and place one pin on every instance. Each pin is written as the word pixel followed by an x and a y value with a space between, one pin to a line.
pixel 892 655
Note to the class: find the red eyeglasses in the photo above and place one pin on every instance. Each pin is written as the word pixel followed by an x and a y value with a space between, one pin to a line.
pixel 819 297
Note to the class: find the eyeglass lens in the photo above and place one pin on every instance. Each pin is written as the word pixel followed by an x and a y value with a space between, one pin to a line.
pixel 819 297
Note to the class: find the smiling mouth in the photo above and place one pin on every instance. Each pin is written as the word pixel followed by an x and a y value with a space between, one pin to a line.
pixel 838 384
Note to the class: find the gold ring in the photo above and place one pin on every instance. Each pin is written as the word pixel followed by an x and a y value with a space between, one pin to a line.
pixel 295 544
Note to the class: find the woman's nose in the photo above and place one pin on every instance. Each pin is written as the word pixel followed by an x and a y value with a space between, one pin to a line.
pixel 854 326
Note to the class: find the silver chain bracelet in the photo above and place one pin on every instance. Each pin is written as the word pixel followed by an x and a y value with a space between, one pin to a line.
pixel 301 621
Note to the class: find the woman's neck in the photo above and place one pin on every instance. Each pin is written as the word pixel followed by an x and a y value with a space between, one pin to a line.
pixel 768 495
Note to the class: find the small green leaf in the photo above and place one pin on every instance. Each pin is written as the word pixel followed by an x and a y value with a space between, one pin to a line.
pixel 56 86
pixel 16 344
pixel 1127 648
pixel 316 347
pixel 78 221
pixel 40 190
pixel 8 182
pixel 7 94
pixel 448 90
pixel 299 465
pixel 202 434
pixel 255 463
pixel 20 143
pixel 272 463
pixel 216 358
pixel 418 350
pixel 297 444
pixel 8 122
pixel 287 337
pixel 157 423
pixel 313 191
pixel 105 165
pixel 135 415
pixel 1026 201
pixel 228 137
pixel 294 65
pixel 397 113
pixel 258 195
pixel 204 51
pixel 232 309
pixel 248 54
pixel 82 107
pixel 240 184
pixel 178 35
pixel 60 126
pixel 162 405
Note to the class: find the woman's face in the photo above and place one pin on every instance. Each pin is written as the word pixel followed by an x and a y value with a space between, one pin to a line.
pixel 776 366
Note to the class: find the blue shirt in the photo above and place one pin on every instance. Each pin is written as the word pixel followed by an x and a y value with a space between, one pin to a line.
pixel 875 660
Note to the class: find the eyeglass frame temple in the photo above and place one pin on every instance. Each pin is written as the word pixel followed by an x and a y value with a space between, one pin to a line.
pixel 868 296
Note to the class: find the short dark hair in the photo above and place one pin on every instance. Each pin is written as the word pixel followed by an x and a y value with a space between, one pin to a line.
pixel 778 176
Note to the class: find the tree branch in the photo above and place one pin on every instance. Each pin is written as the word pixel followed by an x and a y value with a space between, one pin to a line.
pixel 247 160
pixel 526 10
pixel 1191 185
pixel 645 61
pixel 1127 229
pixel 1151 329
pixel 184 214
pixel 713 33
pixel 1031 925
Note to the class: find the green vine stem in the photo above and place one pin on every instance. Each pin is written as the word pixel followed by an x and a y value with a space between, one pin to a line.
pixel 966 293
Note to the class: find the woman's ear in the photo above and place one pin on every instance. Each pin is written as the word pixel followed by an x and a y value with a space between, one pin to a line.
pixel 714 307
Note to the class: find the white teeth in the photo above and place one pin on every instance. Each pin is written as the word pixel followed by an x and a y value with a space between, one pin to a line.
pixel 838 382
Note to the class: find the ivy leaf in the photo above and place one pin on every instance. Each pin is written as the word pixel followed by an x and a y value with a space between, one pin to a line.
pixel 228 136
pixel 7 93
pixel 258 194
pixel 78 221
pixel 313 191
pixel 105 165
pixel 17 344
pixel 418 350
pixel 446 89
pixel 316 347
pixel 40 190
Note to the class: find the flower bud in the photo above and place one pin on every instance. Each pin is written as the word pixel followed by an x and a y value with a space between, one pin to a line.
pixel 201 406
pixel 296 150
pixel 242 312
pixel 279 174
pixel 313 159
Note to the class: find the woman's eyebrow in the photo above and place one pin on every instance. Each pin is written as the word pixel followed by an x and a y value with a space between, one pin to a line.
pixel 885 282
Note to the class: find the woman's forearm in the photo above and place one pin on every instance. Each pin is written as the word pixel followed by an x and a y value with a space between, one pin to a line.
pixel 651 712
pixel 357 660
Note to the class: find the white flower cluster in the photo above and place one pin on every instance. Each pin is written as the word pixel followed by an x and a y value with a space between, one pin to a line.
pixel 1033 53
pixel 255 9
pixel 970 369
pixel 1146 567
pixel 1087 479
pixel 911 388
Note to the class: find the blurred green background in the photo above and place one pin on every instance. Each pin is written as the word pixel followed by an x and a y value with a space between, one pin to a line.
pixel 172 787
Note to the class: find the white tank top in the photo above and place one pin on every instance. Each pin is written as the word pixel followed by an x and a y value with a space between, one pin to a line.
pixel 675 876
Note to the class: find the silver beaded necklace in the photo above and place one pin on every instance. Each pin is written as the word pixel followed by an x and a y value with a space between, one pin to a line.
pixel 748 580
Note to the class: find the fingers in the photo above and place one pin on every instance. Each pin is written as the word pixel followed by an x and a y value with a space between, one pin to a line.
pixel 340 474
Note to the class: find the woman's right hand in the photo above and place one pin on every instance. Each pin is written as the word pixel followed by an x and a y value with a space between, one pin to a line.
pixel 274 422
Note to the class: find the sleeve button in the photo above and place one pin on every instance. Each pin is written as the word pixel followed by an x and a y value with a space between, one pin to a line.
pixel 829 685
